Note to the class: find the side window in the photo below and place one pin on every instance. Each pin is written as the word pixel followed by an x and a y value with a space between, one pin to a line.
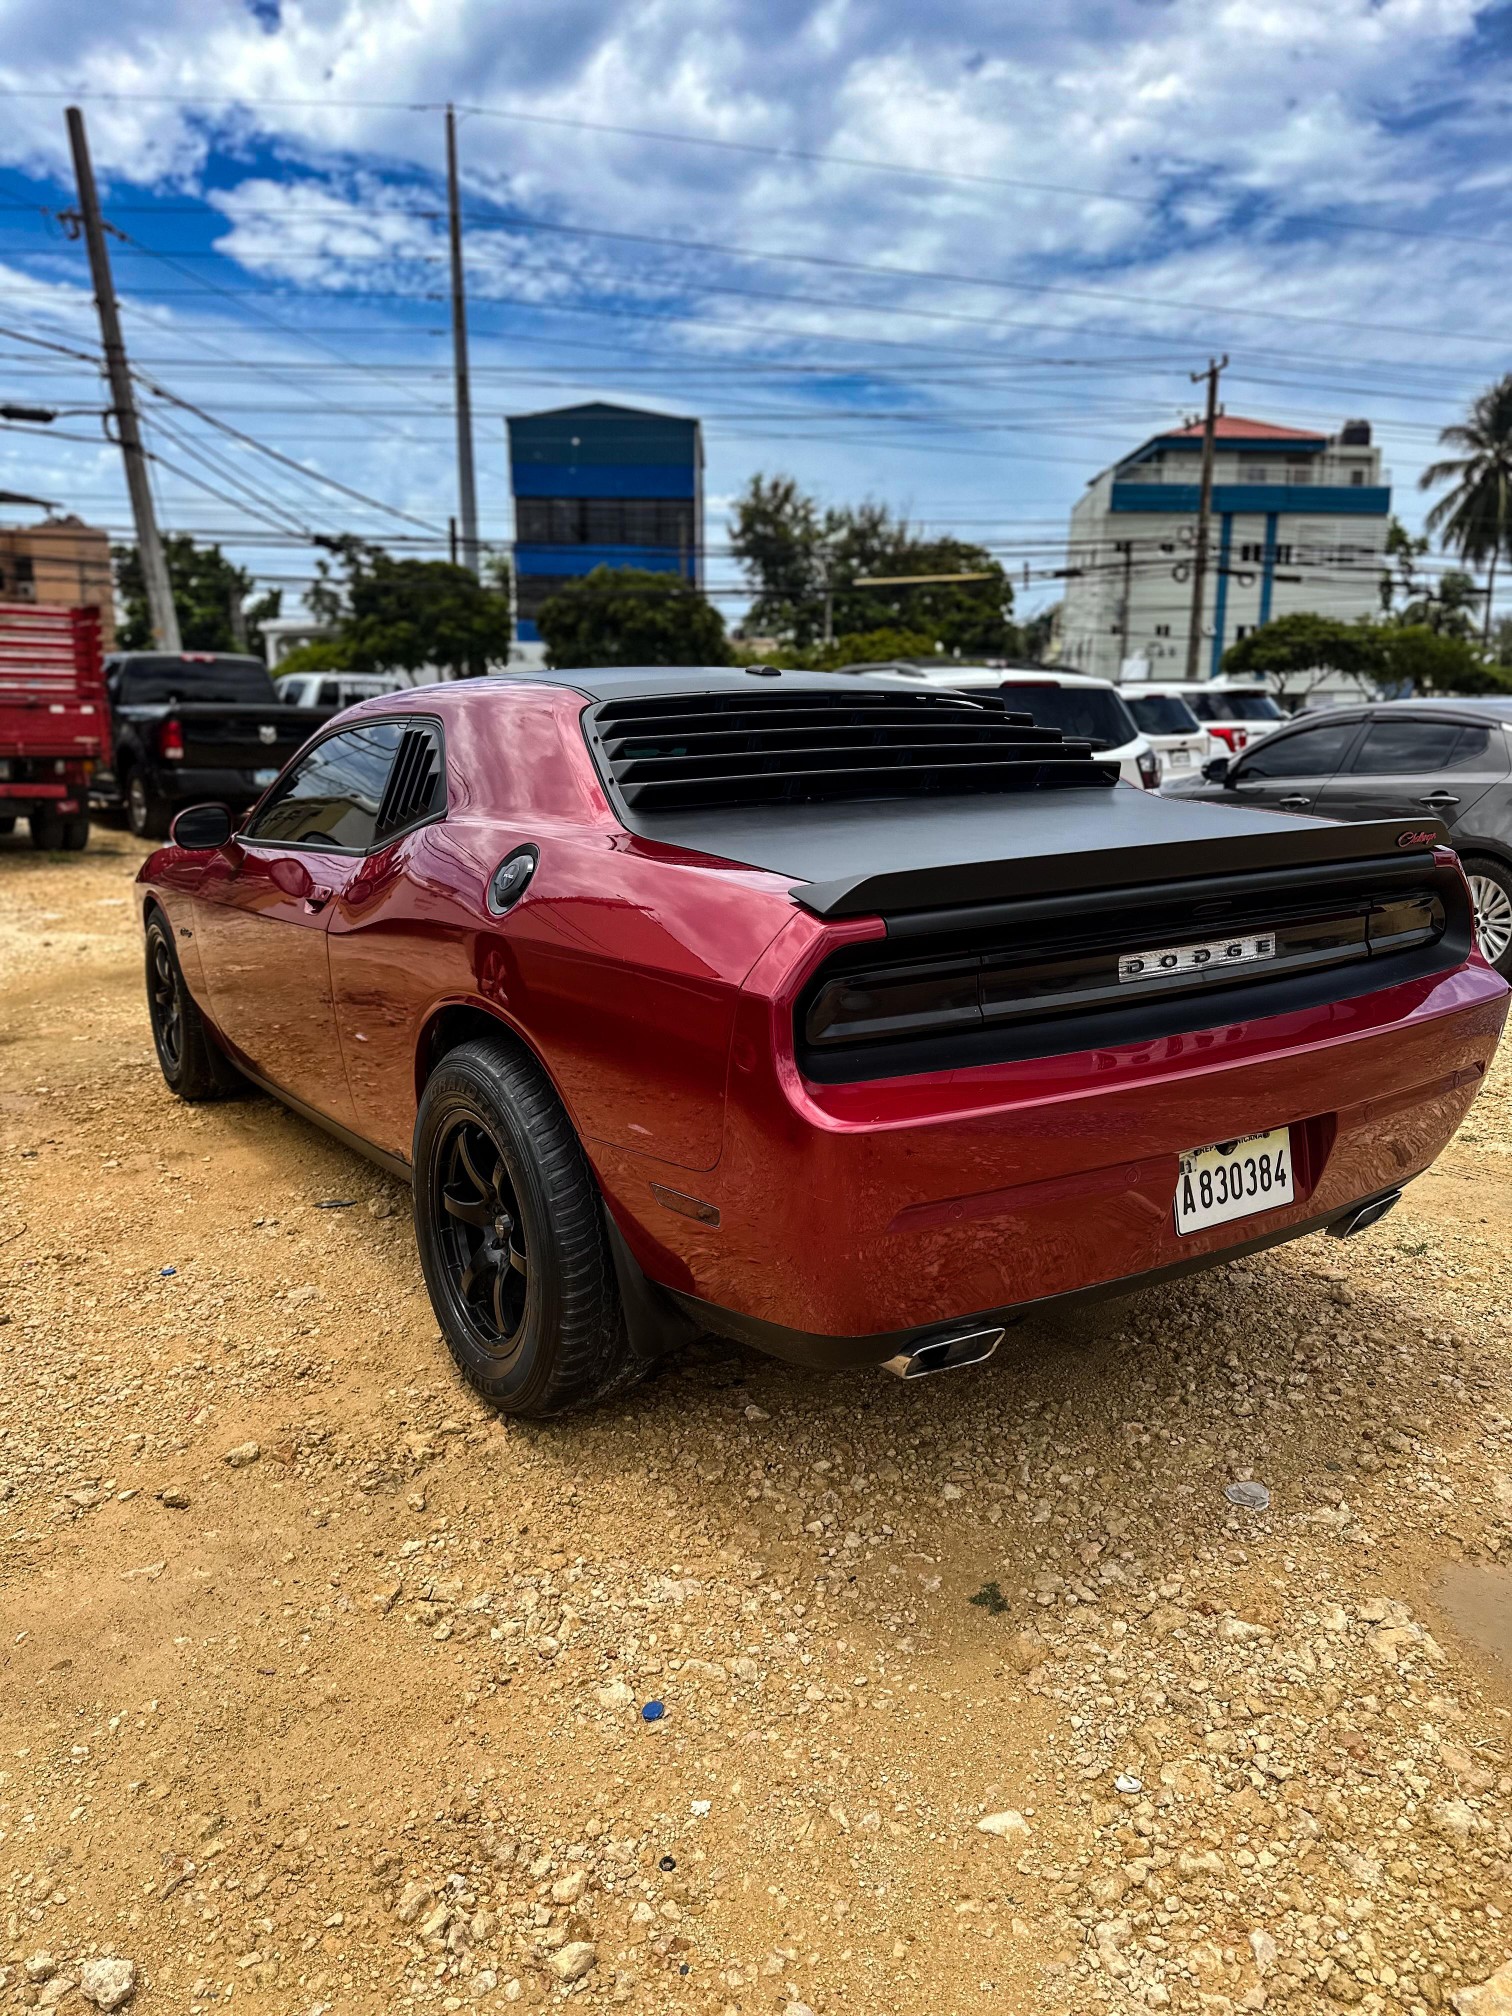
pixel 329 694
pixel 1472 747
pixel 1397 748
pixel 1311 752
pixel 332 797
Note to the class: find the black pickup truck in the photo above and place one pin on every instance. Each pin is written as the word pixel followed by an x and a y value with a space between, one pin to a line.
pixel 190 726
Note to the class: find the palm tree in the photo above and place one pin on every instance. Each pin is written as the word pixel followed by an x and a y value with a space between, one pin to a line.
pixel 1476 516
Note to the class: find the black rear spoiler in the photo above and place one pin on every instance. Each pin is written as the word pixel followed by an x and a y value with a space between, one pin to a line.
pixel 1141 844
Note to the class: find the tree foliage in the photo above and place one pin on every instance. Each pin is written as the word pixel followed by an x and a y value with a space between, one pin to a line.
pixel 321 654
pixel 209 593
pixel 630 616
pixel 860 647
pixel 1401 657
pixel 1475 516
pixel 1297 651
pixel 1417 659
pixel 401 615
pixel 795 556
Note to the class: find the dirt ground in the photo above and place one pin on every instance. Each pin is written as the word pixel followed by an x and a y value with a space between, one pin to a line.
pixel 321 1688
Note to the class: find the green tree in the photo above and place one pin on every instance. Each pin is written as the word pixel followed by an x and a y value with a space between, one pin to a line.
pixel 1399 577
pixel 780 538
pixel 321 654
pixel 390 614
pixel 1298 651
pixel 1420 660
pixel 798 559
pixel 209 592
pixel 1476 515
pixel 629 616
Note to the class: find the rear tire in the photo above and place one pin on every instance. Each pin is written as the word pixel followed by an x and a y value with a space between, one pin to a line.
pixel 192 1063
pixel 511 1234
pixel 7 825
pixel 1491 887
pixel 146 813
pixel 46 830
pixel 76 833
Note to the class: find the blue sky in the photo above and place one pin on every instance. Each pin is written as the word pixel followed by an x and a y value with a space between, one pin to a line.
pixel 955 259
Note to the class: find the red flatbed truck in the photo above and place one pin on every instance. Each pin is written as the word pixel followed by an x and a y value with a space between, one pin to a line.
pixel 54 720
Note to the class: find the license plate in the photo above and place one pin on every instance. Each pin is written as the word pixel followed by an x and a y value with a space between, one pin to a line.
pixel 1180 759
pixel 1235 1179
pixel 263 778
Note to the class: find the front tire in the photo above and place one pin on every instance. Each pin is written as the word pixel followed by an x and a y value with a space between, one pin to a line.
pixel 1491 890
pixel 192 1063
pixel 511 1234
pixel 46 831
pixel 76 833
pixel 146 813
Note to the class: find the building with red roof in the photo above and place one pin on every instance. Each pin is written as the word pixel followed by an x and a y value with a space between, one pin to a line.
pixel 1298 521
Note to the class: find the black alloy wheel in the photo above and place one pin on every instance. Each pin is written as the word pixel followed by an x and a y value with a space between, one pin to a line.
pixel 484 1237
pixel 512 1236
pixel 192 1063
pixel 165 1005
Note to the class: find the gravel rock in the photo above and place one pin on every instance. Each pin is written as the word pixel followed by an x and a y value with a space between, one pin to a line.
pixel 243 1456
pixel 108 1983
pixel 574 1960
pixel 1486 1998
pixel 1008 1826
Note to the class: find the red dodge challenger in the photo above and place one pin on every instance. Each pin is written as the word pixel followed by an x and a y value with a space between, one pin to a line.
pixel 843 1018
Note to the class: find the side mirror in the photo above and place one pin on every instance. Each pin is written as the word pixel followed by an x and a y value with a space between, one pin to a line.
pixel 201 828
pixel 1216 770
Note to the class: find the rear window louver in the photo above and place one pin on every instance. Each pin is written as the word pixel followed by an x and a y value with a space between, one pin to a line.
pixel 411 791
pixel 694 751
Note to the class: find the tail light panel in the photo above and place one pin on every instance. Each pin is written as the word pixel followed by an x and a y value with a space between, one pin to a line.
pixel 171 742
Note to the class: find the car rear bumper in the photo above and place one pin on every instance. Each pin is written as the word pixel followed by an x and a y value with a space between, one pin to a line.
pixel 850 1217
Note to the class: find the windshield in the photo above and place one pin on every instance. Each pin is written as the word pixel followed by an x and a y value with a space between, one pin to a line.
pixel 1230 706
pixel 1164 714
pixel 151 681
pixel 1090 711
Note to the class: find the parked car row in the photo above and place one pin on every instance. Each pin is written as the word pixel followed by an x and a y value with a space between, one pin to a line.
pixel 1436 759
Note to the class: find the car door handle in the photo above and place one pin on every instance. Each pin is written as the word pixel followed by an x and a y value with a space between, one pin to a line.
pixel 1294 799
pixel 317 899
pixel 1437 798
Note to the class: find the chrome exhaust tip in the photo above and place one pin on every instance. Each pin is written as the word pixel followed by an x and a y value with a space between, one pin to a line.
pixel 1364 1216
pixel 944 1354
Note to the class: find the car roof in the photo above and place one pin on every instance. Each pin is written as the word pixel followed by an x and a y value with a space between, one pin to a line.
pixel 613 682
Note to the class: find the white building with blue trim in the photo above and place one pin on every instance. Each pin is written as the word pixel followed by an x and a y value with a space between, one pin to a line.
pixel 1298 522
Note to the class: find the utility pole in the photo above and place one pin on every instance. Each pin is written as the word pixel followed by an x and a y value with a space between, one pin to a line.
pixel 160 610
pixel 468 495
pixel 1204 506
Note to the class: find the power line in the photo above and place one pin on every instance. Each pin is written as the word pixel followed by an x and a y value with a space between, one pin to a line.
pixel 828 262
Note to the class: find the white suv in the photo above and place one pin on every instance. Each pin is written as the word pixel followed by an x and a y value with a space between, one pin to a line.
pixel 1093 709
pixel 1234 712
pixel 1176 735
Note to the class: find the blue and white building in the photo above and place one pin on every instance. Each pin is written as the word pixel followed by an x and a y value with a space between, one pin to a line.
pixel 600 485
pixel 1298 522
